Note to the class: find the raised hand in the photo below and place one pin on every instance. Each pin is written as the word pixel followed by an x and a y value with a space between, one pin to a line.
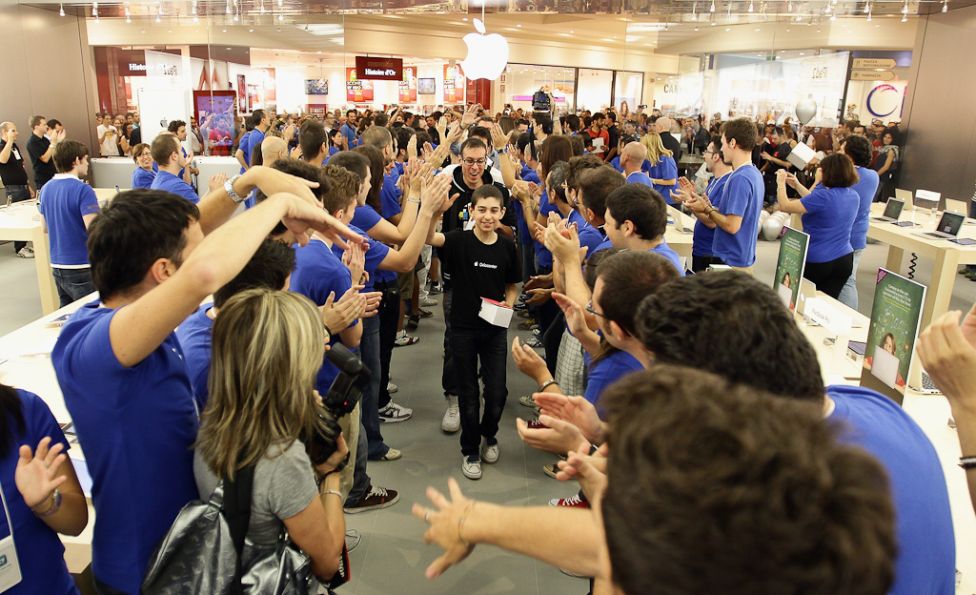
pixel 217 181
pixel 575 410
pixel 36 474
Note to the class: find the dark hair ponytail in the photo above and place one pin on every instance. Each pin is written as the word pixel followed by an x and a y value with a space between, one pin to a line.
pixel 10 410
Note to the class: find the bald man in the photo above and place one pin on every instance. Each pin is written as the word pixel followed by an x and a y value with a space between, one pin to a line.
pixel 663 125
pixel 631 160
pixel 273 148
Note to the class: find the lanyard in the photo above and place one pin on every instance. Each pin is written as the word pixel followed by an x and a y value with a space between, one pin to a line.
pixel 10 575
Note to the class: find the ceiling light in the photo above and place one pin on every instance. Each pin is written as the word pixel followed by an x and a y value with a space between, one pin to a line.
pixel 712 7
pixel 519 25
pixel 945 5
pixel 751 8
pixel 61 12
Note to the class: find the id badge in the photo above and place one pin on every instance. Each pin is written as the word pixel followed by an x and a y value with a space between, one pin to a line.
pixel 9 565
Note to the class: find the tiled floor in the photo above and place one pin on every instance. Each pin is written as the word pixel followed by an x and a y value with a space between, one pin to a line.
pixel 392 556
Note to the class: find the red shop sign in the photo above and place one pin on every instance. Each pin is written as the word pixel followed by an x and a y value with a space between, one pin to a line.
pixel 379 69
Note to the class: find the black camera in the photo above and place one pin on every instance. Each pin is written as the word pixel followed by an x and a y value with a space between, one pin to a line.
pixel 343 395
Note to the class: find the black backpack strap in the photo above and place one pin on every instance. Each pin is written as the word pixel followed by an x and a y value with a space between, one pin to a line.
pixel 237 513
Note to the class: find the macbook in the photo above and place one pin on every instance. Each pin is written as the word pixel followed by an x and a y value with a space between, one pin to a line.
pixel 905 196
pixel 926 199
pixel 892 211
pixel 947 228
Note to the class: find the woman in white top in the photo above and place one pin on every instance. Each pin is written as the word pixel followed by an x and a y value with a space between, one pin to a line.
pixel 262 404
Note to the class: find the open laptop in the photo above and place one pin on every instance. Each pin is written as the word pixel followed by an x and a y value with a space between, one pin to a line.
pixel 675 216
pixel 892 211
pixel 926 199
pixel 948 227
pixel 885 366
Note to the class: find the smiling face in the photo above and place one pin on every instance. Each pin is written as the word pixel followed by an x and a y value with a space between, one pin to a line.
pixel 473 161
pixel 145 159
pixel 486 213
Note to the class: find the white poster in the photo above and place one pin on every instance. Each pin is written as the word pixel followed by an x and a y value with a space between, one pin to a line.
pixel 158 105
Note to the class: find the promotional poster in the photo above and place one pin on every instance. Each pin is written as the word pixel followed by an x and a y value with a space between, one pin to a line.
pixel 789 268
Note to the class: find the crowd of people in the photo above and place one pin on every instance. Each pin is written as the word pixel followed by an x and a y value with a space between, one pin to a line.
pixel 685 404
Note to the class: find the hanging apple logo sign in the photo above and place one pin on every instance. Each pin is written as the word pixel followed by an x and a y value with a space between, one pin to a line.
pixel 487 54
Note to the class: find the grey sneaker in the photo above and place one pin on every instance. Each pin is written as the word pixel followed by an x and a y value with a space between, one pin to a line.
pixel 471 467
pixel 352 539
pixel 489 453
pixel 394 413
pixel 26 252
pixel 452 417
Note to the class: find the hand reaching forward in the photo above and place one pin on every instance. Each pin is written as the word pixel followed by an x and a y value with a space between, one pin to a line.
pixel 446 525
pixel 575 410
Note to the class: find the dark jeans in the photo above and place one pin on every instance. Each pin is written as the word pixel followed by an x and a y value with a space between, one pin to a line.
pixel 361 482
pixel 17 194
pixel 448 377
pixel 490 347
pixel 369 349
pixel 72 284
pixel 527 251
pixel 552 338
pixel 701 263
pixel 103 589
pixel 830 276
pixel 389 314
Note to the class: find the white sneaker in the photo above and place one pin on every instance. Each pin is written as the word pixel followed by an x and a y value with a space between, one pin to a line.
pixel 452 417
pixel 428 302
pixel 352 539
pixel 489 453
pixel 391 388
pixel 394 413
pixel 471 467
pixel 26 252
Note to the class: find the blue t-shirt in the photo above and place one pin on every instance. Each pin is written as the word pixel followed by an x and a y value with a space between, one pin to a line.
pixel 350 133
pixel 704 236
pixel 866 186
pixel 639 177
pixel 589 236
pixel 196 338
pixel 743 196
pixel 615 164
pixel 253 142
pixel 604 245
pixel 543 257
pixel 137 427
pixel 390 196
pixel 63 202
pixel 375 255
pixel 39 550
pixel 666 251
pixel 926 542
pixel 142 178
pixel 366 218
pixel 242 145
pixel 605 371
pixel 665 169
pixel 170 183
pixel 829 218
pixel 319 272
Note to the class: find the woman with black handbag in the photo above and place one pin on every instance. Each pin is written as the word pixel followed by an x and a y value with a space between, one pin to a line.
pixel 267 349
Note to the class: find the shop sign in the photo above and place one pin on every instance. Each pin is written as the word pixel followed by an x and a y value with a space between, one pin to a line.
pixel 379 69
pixel 872 75
pixel 865 63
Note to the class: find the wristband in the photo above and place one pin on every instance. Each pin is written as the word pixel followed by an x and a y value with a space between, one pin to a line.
pixel 546 385
pixel 55 505
pixel 335 493
pixel 229 189
pixel 967 462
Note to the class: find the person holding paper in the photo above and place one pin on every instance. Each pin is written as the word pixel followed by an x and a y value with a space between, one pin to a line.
pixel 483 265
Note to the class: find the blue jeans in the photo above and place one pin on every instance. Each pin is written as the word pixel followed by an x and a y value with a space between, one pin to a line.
pixel 72 284
pixel 489 346
pixel 848 293
pixel 361 483
pixel 369 349
pixel 388 315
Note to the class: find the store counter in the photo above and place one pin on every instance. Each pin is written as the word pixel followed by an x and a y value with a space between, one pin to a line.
pixel 21 221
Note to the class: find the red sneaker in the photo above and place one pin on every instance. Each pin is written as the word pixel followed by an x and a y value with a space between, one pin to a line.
pixel 575 501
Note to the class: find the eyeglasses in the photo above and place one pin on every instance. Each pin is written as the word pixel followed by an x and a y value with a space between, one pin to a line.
pixel 589 308
pixel 473 162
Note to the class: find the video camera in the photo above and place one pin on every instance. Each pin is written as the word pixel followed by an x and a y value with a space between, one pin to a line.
pixel 343 395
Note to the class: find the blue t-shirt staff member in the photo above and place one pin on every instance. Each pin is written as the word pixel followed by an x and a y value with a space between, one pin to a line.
pixel 166 152
pixel 253 139
pixel 737 218
pixel 829 210
pixel 144 173
pixel 704 235
pixel 121 368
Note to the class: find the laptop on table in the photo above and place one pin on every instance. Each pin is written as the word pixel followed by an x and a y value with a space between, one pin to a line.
pixel 948 227
pixel 892 211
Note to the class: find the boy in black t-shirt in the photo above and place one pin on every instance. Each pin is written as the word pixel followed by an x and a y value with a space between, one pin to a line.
pixel 482 264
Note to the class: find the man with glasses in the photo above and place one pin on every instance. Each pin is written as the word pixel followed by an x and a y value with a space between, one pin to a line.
pixel 701 249
pixel 467 177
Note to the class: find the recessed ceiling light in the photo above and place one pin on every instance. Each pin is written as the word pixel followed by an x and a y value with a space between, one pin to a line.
pixel 519 25
pixel 728 29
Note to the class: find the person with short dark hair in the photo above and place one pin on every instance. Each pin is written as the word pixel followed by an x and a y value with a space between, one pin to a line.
pixel 108 137
pixel 774 153
pixel 41 150
pixel 704 235
pixel 700 496
pixel 121 367
pixel 166 152
pixel 481 264
pixel 737 219
pixel 67 207
pixel 260 122
pixel 348 129
pixel 829 210
pixel 144 174
pixel 313 141
pixel 858 148
pixel 637 219
pixel 269 268
pixel 701 321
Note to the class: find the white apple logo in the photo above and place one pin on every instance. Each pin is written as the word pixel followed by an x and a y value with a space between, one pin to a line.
pixel 487 54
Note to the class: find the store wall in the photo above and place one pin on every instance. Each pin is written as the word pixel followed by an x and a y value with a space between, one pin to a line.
pixel 941 150
pixel 46 69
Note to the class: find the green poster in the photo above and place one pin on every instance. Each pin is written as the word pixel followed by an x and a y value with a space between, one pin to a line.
pixel 895 318
pixel 789 267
